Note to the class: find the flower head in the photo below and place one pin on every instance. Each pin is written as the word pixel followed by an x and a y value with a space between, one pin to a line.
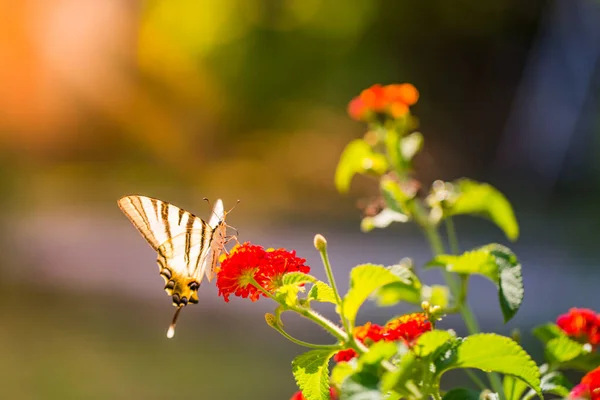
pixel 393 100
pixel 588 388
pixel 249 265
pixel 358 110
pixel 581 324
pixel 367 334
pixel 407 328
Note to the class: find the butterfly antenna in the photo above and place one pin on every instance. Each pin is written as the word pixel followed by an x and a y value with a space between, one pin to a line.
pixel 207 200
pixel 231 209
pixel 171 331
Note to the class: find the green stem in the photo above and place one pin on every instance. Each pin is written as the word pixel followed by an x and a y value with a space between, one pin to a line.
pixel 452 238
pixel 317 318
pixel 437 247
pixel 475 379
pixel 306 344
pixel 338 298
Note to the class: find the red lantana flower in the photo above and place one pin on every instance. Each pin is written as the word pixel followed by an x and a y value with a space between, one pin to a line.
pixel 298 395
pixel 393 99
pixel 248 264
pixel 366 334
pixel 407 328
pixel 581 324
pixel 588 388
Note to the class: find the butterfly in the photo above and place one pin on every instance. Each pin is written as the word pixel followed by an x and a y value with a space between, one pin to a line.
pixel 188 247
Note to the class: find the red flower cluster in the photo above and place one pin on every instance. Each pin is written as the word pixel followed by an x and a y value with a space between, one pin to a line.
pixel 392 99
pixel 298 395
pixel 406 328
pixel 247 265
pixel 588 388
pixel 582 324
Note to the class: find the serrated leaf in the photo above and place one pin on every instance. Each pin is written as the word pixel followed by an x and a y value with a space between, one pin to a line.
pixel 364 280
pixel 547 332
pixel 340 372
pixel 461 394
pixel 297 278
pixel 485 200
pixel 407 289
pixel 497 263
pixel 562 349
pixel 357 157
pixel 288 294
pixel 382 220
pixel 322 292
pixel 494 353
pixel 430 342
pixel 311 371
pixel 377 352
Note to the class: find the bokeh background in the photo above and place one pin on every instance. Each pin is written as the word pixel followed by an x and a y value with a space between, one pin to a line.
pixel 246 99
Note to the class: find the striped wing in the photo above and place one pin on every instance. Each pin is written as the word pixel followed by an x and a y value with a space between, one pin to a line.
pixel 159 221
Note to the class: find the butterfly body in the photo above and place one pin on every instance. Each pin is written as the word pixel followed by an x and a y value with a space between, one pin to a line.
pixel 187 247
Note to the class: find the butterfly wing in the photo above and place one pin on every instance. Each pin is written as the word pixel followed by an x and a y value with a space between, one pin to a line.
pixel 157 220
pixel 217 243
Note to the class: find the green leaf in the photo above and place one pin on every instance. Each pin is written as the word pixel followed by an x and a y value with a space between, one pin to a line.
pixel 297 278
pixel 322 292
pixel 552 382
pixel 340 372
pixel 378 352
pixel 311 371
pixel 513 387
pixel 406 289
pixel 363 385
pixel 547 332
pixel 382 220
pixel 288 294
pixel 432 341
pixel 497 263
pixel 358 157
pixel 364 280
pixel 562 349
pixel 491 352
pixel 461 394
pixel 397 196
pixel 483 199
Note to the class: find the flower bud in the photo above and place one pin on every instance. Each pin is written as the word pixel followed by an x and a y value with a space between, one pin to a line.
pixel 271 320
pixel 320 242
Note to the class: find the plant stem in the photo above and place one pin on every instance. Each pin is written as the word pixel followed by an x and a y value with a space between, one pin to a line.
pixel 437 247
pixel 306 344
pixel 317 318
pixel 452 238
pixel 338 298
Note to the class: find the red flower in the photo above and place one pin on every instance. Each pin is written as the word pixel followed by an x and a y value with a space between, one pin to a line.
pixel 588 388
pixel 404 93
pixel 374 98
pixel 358 110
pixel 581 324
pixel 298 395
pixel 406 328
pixel 366 334
pixel 248 264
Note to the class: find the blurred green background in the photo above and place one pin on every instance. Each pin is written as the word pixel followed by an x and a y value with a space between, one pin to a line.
pixel 246 99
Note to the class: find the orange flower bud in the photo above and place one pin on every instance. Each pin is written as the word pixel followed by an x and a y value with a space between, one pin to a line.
pixel 398 110
pixel 402 93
